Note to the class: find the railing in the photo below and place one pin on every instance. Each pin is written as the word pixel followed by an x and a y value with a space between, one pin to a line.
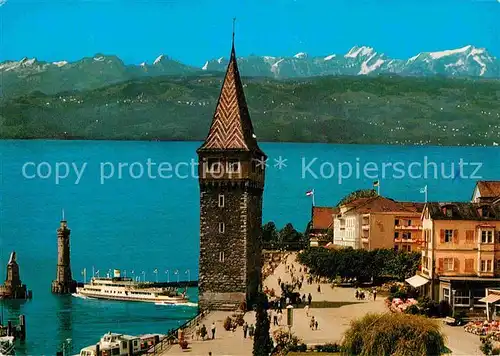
pixel 171 339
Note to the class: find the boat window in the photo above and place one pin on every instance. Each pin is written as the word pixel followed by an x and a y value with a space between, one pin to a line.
pixel 115 351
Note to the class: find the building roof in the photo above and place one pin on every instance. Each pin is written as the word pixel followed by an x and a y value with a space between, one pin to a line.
pixel 231 127
pixel 463 211
pixel 488 188
pixel 322 217
pixel 381 204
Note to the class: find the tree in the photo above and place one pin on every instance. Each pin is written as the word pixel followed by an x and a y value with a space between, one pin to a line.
pixel 394 334
pixel 262 343
pixel 269 233
pixel 361 193
pixel 289 236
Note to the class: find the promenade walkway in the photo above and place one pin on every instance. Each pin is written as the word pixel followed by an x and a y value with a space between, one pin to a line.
pixel 332 322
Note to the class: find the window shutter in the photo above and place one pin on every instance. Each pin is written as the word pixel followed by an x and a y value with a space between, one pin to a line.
pixel 469 236
pixel 456 265
pixel 440 264
pixel 441 235
pixel 469 265
pixel 455 236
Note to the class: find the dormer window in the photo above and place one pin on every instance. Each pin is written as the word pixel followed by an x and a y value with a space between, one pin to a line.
pixel 447 211
pixel 484 211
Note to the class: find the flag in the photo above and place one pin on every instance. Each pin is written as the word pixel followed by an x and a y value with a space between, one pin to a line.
pixel 132 272
pixel 187 271
pixel 176 271
pixel 423 190
pixel 376 183
pixel 156 270
pixel 310 192
pixel 84 271
pixel 97 272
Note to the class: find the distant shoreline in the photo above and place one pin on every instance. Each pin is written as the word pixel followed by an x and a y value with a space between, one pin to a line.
pixel 260 142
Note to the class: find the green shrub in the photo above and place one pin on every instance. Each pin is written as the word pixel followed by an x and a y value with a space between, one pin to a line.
pixel 328 348
pixel 393 334
pixel 486 345
pixel 412 309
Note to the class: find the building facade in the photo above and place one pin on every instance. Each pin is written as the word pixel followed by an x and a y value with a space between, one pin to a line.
pixel 378 222
pixel 231 180
pixel 461 255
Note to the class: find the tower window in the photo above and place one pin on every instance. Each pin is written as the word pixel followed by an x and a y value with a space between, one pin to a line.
pixel 233 166
pixel 221 256
pixel 222 227
pixel 214 166
pixel 221 200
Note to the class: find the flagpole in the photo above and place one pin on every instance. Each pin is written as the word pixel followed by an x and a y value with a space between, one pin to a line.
pixel 313 197
pixel 426 193
pixel 378 188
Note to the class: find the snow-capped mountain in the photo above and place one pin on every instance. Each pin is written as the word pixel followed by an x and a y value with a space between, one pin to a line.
pixel 99 70
pixel 466 61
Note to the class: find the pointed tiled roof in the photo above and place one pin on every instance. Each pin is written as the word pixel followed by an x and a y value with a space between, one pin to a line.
pixel 231 126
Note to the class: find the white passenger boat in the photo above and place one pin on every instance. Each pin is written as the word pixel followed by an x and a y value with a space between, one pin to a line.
pixel 112 344
pixel 126 289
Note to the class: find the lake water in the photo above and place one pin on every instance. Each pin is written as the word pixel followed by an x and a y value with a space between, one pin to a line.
pixel 142 223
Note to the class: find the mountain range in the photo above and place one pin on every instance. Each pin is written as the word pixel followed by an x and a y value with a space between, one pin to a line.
pixel 29 75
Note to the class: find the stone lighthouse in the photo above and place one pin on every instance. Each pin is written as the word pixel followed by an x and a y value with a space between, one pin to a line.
pixel 64 283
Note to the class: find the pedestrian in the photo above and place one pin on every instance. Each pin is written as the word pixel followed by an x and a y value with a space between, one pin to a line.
pixel 357 294
pixel 311 324
pixel 309 298
pixel 374 293
pixel 213 330
pixel 251 330
pixel 245 330
pixel 197 330
pixel 319 288
pixel 306 308
pixel 275 318
pixel 316 324
pixel 203 332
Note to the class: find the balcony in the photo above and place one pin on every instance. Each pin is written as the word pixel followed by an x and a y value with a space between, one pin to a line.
pixel 408 227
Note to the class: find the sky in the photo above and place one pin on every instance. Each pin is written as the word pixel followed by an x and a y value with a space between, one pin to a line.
pixel 193 31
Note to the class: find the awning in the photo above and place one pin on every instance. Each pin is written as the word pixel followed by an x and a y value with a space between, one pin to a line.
pixel 417 281
pixel 492 298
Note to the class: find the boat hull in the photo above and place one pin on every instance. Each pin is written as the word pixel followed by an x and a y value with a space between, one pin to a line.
pixel 133 299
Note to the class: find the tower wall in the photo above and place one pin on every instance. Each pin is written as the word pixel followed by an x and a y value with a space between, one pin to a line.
pixel 229 261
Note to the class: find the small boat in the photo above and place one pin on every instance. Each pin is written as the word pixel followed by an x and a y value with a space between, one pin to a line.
pixel 120 345
pixel 126 289
pixel 7 346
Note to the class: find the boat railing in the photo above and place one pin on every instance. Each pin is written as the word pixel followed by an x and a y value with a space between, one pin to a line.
pixel 171 339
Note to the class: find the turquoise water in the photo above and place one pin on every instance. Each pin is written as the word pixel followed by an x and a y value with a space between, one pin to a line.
pixel 145 223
